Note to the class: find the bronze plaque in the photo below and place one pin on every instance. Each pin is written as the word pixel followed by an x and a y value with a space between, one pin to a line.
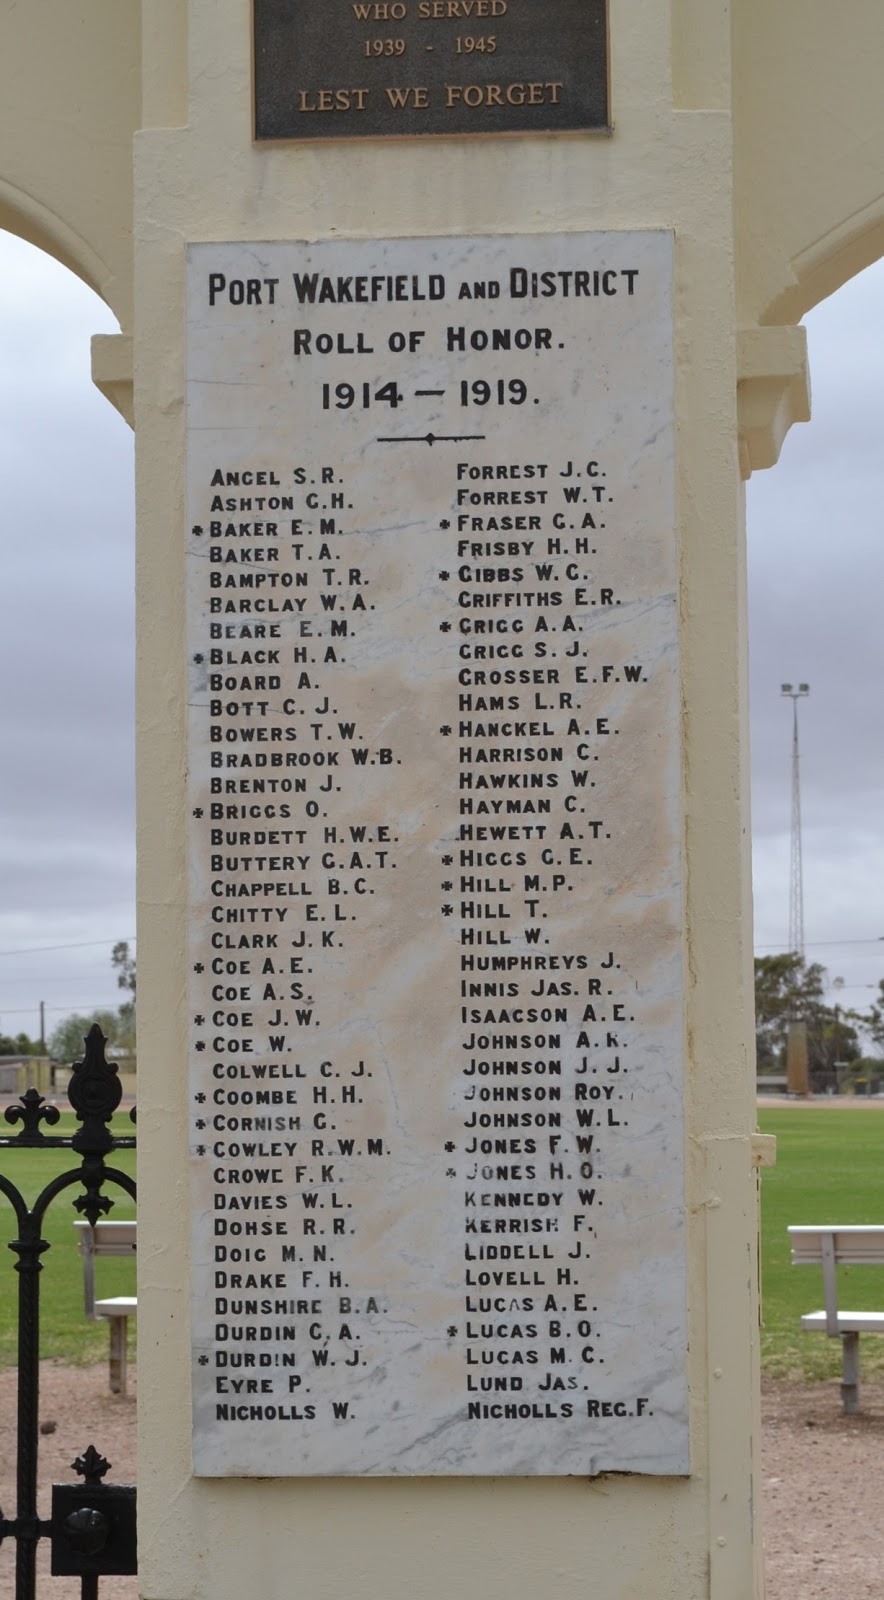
pixel 363 68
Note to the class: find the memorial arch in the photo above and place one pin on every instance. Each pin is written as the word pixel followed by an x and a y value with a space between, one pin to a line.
pixel 809 206
pixel 807 160
pixel 751 138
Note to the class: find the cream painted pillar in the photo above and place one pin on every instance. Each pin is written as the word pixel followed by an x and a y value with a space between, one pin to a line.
pixel 717 117
pixel 668 165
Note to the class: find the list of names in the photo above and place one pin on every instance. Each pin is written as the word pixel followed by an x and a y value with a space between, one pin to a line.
pixel 435 949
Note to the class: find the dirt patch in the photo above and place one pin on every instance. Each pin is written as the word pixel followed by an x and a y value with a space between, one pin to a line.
pixel 823 1510
pixel 79 1404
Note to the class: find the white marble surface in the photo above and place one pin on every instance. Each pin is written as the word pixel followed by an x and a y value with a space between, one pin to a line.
pixel 435 1229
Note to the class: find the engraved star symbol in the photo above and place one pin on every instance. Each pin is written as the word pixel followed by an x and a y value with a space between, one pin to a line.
pixel 444 576
pixel 450 1145
pixel 200 1099
pixel 452 1333
pixel 446 912
pixel 200 1044
pixel 445 524
pixel 445 730
pixel 198 967
pixel 445 627
pixel 447 860
pixel 196 529
pixel 197 811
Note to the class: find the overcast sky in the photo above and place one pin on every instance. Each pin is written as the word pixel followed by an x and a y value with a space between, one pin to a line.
pixel 816 608
pixel 66 651
pixel 67 629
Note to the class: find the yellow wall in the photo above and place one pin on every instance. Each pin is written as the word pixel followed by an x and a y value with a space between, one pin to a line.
pixel 809 151
pixel 70 103
pixel 664 167
pixel 796 156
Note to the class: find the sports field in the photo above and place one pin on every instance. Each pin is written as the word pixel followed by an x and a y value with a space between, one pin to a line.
pixel 830 1168
pixel 65 1332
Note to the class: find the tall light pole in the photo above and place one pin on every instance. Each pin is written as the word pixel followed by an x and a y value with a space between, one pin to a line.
pixel 796 880
pixel 797 1070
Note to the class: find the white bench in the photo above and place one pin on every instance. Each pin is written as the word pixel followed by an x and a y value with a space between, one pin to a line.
pixel 109 1239
pixel 829 1247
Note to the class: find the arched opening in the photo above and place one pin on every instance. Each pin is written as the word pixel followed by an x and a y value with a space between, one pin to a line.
pixel 66 651
pixel 816 574
pixel 25 218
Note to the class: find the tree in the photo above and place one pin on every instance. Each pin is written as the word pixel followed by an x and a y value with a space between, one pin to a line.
pixel 873 1019
pixel 835 1039
pixel 788 990
pixel 864 1070
pixel 67 1043
pixel 21 1045
pixel 124 961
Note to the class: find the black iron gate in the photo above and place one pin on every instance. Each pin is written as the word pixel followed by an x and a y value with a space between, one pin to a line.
pixel 92 1525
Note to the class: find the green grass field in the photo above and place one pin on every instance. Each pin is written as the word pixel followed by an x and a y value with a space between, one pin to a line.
pixel 65 1332
pixel 830 1168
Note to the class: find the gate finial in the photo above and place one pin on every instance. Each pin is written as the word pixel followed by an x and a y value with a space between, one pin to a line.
pixel 95 1092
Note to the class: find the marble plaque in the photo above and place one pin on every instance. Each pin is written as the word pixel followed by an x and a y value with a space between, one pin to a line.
pixel 435 950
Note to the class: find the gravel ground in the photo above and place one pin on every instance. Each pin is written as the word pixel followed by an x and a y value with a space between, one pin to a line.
pixel 79 1404
pixel 823 1507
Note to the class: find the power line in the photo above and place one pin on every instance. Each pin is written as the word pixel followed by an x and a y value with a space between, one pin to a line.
pixel 52 981
pixel 85 944
pixel 824 944
pixel 796 881
pixel 75 1008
